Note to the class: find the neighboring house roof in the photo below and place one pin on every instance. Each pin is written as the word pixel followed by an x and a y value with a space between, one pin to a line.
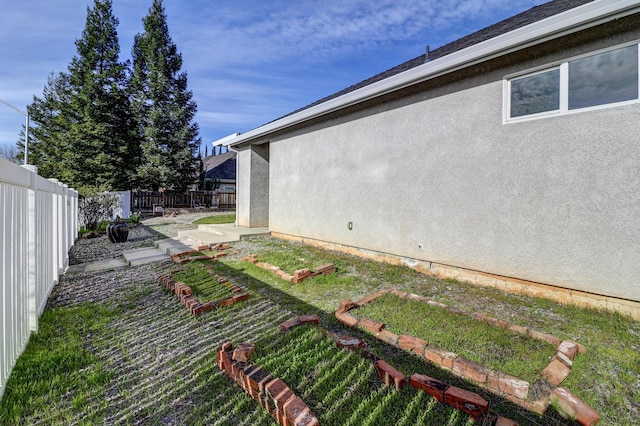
pixel 215 160
pixel 536 25
pixel 222 166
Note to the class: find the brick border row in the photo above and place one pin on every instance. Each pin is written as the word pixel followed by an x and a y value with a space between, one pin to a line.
pixel 240 294
pixel 512 388
pixel 298 276
pixel 184 294
pixel 193 305
pixel 302 319
pixel 219 248
pixel 215 246
pixel 271 393
pixel 191 255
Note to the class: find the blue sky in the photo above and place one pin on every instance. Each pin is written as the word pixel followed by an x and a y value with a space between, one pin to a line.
pixel 248 61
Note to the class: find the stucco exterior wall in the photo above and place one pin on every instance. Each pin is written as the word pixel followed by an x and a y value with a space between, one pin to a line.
pixel 252 205
pixel 437 176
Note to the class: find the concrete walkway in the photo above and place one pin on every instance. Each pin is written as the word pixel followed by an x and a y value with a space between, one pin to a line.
pixel 117 263
pixel 213 234
pixel 163 249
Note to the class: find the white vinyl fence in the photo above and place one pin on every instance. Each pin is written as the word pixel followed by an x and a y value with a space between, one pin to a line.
pixel 38 226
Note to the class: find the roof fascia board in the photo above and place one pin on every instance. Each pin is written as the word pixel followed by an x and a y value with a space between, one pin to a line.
pixel 225 141
pixel 571 21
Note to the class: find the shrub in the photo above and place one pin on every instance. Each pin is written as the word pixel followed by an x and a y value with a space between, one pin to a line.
pixel 96 209
pixel 134 218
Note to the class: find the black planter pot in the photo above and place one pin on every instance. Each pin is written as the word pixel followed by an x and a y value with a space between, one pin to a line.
pixel 118 232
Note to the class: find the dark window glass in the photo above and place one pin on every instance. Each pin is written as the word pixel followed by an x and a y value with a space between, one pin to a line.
pixel 535 93
pixel 604 78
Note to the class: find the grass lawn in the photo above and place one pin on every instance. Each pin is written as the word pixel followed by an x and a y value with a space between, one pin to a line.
pixel 494 347
pixel 216 219
pixel 119 349
pixel 55 361
pixel 342 387
pixel 606 377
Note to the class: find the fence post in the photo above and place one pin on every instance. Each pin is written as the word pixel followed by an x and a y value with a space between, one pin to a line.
pixel 32 249
pixel 64 212
pixel 55 230
pixel 69 225
pixel 62 249
pixel 73 234
pixel 76 207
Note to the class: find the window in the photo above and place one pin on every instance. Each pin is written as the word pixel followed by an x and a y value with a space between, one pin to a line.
pixel 535 93
pixel 604 78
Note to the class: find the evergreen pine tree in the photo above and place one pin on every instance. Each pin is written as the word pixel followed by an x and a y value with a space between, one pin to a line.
pixel 48 146
pixel 164 108
pixel 201 178
pixel 102 133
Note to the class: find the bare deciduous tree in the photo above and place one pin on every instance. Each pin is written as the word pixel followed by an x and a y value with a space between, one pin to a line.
pixel 9 152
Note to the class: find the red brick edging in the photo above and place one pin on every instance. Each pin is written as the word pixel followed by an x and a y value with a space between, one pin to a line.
pixel 302 319
pixel 189 256
pixel 271 393
pixel 513 388
pixel 193 305
pixel 184 294
pixel 298 276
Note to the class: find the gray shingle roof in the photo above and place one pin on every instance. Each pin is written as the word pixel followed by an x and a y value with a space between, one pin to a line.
pixel 215 160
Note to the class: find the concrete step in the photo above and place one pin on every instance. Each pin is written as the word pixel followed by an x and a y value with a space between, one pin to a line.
pixel 144 255
pixel 163 250
pixel 172 246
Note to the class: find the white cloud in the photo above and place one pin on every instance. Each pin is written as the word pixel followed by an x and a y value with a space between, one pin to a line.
pixel 226 118
pixel 232 103
pixel 309 31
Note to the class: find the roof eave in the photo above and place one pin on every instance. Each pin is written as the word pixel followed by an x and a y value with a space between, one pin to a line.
pixel 571 21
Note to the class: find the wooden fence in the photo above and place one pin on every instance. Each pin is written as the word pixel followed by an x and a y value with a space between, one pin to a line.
pixel 38 226
pixel 150 202
pixel 226 200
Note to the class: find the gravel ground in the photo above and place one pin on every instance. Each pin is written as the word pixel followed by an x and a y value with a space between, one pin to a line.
pixel 100 248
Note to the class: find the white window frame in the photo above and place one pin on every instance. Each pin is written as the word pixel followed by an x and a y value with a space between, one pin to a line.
pixel 564 88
